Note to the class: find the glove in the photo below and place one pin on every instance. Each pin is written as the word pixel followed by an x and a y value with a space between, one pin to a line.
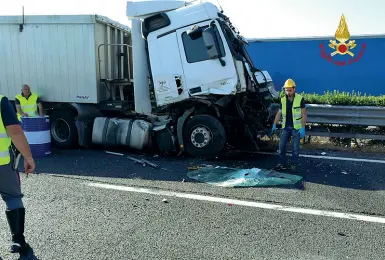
pixel 302 132
pixel 273 129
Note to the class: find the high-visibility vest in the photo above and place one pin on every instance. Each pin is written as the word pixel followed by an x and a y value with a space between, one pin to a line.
pixel 296 111
pixel 28 106
pixel 5 142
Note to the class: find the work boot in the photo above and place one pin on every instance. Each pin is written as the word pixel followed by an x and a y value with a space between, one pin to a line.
pixel 28 256
pixel 16 220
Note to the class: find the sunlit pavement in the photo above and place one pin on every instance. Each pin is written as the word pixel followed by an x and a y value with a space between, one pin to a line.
pixel 69 218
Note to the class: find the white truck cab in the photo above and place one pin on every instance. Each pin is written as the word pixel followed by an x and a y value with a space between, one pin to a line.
pixel 200 71
pixel 191 50
pixel 188 68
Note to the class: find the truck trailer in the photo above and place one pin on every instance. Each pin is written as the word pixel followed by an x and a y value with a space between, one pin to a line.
pixel 180 80
pixel 316 68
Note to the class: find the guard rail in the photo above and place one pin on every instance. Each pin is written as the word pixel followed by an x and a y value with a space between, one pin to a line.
pixel 364 116
pixel 346 115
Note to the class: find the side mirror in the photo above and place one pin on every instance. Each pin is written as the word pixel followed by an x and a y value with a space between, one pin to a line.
pixel 211 43
pixel 195 32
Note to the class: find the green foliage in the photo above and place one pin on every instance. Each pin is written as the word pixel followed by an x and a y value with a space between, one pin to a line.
pixel 342 98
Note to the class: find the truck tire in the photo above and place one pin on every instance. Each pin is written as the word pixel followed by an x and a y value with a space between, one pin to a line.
pixel 63 129
pixel 204 136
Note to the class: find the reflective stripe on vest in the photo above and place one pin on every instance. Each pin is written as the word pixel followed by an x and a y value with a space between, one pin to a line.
pixel 28 106
pixel 5 142
pixel 296 111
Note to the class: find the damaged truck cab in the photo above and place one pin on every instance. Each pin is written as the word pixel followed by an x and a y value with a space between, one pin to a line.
pixel 189 58
pixel 202 75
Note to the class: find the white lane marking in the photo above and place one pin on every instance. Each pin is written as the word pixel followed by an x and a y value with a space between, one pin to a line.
pixel 242 203
pixel 330 158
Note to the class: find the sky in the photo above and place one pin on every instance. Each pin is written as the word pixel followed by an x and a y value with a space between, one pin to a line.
pixel 253 18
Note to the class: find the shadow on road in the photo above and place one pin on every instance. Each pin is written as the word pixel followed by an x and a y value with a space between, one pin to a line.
pixel 97 163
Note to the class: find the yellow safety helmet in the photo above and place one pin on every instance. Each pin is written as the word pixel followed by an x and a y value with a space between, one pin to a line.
pixel 289 84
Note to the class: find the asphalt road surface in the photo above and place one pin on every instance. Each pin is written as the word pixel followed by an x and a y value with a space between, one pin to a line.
pixel 92 205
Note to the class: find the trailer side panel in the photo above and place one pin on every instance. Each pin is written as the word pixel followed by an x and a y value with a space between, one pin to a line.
pixel 313 67
pixel 56 60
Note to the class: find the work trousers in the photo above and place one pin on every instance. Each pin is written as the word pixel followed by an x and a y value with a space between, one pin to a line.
pixel 286 133
pixel 10 186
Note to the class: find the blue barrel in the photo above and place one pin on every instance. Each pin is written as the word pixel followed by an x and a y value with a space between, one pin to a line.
pixel 38 134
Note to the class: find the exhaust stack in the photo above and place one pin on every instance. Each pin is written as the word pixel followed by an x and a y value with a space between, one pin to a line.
pixel 140 69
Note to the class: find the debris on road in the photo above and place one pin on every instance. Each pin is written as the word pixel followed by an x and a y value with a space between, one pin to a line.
pixel 137 160
pixel 323 153
pixel 143 162
pixel 150 163
pixel 193 168
pixel 232 177
pixel 344 172
pixel 146 162
pixel 119 154
pixel 165 201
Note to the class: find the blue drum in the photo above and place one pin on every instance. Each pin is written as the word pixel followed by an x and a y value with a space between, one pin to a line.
pixel 38 134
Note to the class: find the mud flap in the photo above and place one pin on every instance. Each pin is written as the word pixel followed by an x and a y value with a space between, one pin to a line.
pixel 84 129
pixel 180 125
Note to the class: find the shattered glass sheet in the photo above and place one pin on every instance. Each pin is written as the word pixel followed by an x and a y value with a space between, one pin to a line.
pixel 230 177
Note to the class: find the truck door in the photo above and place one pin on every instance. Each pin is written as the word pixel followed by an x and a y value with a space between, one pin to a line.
pixel 166 69
pixel 204 75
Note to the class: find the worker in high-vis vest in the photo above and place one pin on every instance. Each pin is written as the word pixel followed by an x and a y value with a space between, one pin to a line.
pixel 294 116
pixel 27 103
pixel 13 145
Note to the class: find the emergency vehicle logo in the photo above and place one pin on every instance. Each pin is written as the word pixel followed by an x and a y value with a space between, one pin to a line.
pixel 342 50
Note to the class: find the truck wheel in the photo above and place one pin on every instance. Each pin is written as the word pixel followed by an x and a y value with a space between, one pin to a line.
pixel 204 136
pixel 63 129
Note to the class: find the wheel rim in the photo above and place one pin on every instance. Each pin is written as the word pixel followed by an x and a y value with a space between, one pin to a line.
pixel 60 130
pixel 201 137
